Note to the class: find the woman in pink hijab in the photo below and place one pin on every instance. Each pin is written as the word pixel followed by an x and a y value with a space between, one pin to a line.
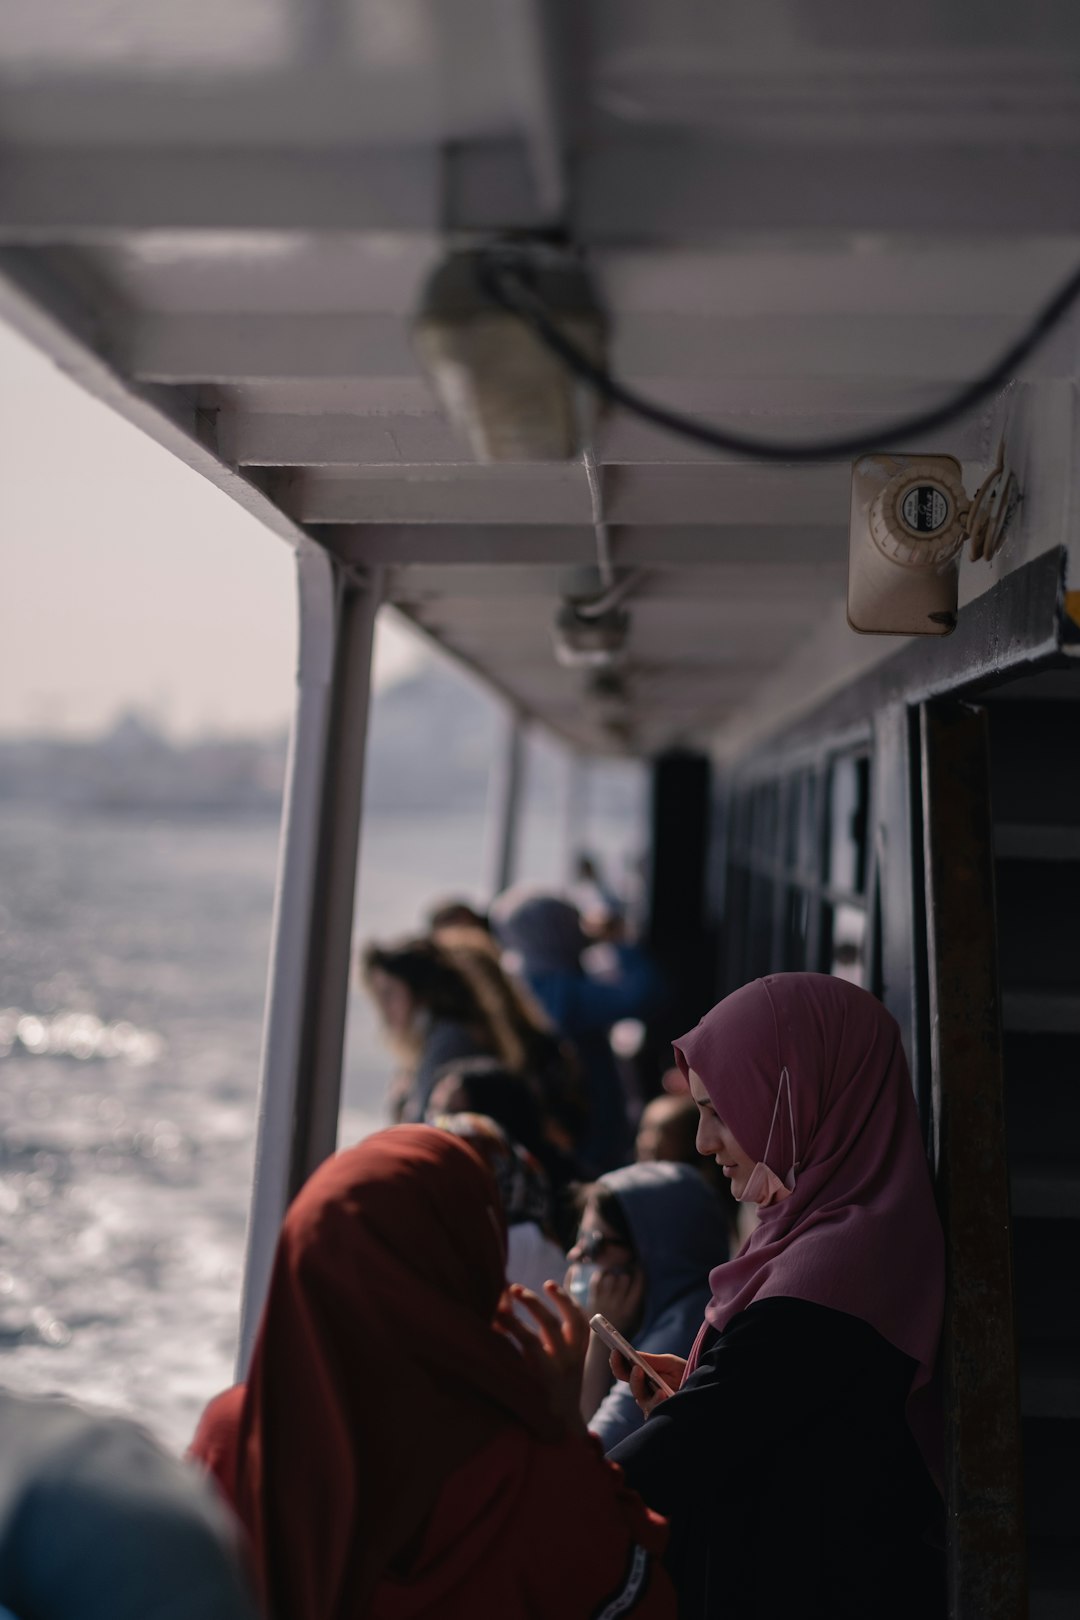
pixel 795 1460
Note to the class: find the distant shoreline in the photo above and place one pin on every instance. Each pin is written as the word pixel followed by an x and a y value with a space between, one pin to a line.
pixel 430 747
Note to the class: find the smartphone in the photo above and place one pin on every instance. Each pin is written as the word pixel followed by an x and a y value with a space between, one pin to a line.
pixel 615 1341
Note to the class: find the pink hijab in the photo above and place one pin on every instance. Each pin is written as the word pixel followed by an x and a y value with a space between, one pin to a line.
pixel 860 1232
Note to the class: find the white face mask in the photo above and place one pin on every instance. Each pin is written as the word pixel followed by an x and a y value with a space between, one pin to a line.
pixel 763 1186
pixel 577 1287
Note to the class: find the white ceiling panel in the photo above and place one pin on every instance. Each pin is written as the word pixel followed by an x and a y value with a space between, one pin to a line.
pixel 804 217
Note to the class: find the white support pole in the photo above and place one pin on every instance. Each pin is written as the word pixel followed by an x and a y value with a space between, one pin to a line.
pixel 303 1033
pixel 504 802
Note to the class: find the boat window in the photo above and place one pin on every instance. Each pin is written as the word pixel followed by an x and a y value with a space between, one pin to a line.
pixel 760 931
pixel 764 821
pixel 796 929
pixel 849 798
pixel 844 942
pixel 798 869
pixel 793 799
pixel 809 839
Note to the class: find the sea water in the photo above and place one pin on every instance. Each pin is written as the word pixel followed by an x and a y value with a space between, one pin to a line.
pixel 133 957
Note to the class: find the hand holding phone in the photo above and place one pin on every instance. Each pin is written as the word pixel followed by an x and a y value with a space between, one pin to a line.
pixel 615 1341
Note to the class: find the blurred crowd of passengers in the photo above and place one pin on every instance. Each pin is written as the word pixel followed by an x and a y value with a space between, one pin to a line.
pixel 522 1030
pixel 432 1425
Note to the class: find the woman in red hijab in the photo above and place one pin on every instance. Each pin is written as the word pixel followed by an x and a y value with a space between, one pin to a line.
pixel 401 1448
pixel 794 1460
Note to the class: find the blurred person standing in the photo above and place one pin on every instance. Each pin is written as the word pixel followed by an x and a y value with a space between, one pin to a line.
pixel 533 1257
pixel 531 1047
pixel 545 935
pixel 432 1015
pixel 98 1523
pixel 667 1132
pixel 667 1129
pixel 601 910
pixel 404 1448
pixel 456 914
pixel 484 1086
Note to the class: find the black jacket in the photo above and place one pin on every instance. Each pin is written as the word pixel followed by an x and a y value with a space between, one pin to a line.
pixel 793 1485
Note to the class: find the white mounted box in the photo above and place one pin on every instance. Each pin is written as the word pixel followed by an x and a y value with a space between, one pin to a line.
pixel 906 533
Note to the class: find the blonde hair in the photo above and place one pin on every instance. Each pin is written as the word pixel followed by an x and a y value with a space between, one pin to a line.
pixel 512 1015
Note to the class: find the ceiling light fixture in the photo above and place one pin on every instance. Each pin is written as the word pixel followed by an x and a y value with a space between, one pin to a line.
pixel 496 378
pixel 590 641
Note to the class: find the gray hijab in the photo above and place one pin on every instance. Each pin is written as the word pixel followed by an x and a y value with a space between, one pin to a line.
pixel 680 1232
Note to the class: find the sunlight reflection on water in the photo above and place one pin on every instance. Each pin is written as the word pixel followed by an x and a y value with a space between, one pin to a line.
pixel 77 1034
pixel 132 971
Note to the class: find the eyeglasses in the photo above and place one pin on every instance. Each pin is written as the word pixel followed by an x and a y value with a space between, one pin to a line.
pixel 592 1244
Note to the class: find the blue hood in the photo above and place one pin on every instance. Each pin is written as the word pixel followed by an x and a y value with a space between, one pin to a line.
pixel 544 930
pixel 680 1232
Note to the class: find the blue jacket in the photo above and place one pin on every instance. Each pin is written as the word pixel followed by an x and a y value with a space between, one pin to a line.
pixel 680 1233
pixel 584 1009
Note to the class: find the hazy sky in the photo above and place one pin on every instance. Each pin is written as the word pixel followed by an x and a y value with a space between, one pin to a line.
pixel 127 580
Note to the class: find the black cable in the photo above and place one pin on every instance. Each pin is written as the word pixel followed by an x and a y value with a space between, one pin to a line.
pixel 503 278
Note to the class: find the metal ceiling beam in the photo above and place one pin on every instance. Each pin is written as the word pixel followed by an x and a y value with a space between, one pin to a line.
pixel 766 582
pixel 513 546
pixel 527 620
pixel 1019 83
pixel 744 494
pixel 163 170
pixel 234 348
pixel 90 192
pixel 694 188
pixel 756 653
pixel 93 192
pixel 254 438
pixel 339 440
pixel 947 275
pixel 322 30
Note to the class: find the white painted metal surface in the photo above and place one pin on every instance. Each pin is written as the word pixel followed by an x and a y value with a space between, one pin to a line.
pixel 290 934
pixel 310 958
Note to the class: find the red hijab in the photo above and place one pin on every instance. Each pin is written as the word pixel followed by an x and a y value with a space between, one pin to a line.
pixel 860 1232
pixel 376 1349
